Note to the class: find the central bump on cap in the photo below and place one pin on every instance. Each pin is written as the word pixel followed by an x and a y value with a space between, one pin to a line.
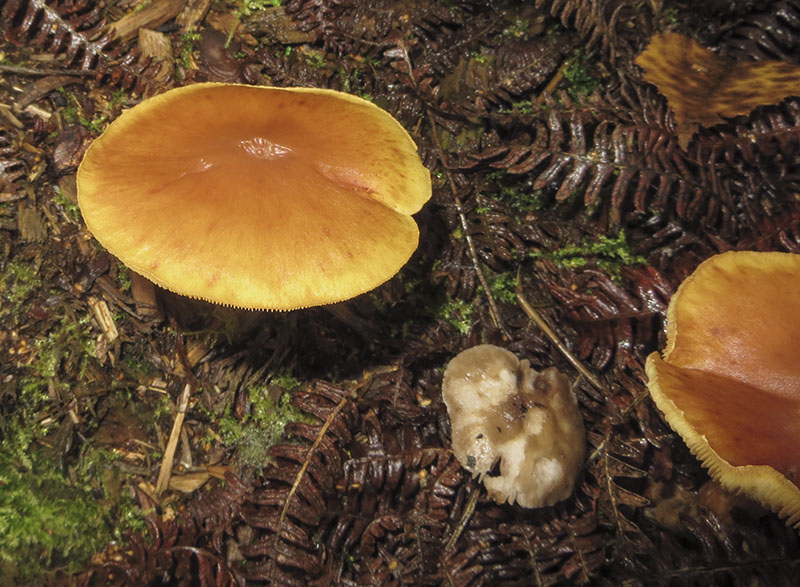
pixel 262 148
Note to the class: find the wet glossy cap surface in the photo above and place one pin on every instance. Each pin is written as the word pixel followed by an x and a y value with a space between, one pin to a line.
pixel 272 198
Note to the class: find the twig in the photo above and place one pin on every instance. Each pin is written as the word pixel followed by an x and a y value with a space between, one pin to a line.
pixel 469 509
pixel 550 333
pixel 473 252
pixel 32 71
pixel 553 83
pixel 172 443
pixel 306 462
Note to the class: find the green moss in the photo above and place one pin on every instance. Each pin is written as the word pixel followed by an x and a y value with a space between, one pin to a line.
pixel 141 6
pixel 519 28
pixel 29 415
pixel 124 276
pixel 72 113
pixel 576 72
pixel 248 7
pixel 52 519
pixel 188 40
pixel 670 15
pixel 610 254
pixel 458 313
pixel 70 208
pixel 118 98
pixel 503 286
pixel 520 107
pixel 316 59
pixel 509 191
pixel 18 281
pixel 134 363
pixel 478 57
pixel 49 522
pixel 45 522
pixel 70 342
pixel 261 428
pixel 286 381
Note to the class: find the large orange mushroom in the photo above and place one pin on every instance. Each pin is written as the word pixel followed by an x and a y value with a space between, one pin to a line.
pixel 729 381
pixel 271 198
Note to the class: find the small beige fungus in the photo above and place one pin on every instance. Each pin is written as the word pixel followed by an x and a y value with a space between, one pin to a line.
pixel 270 198
pixel 729 380
pixel 502 410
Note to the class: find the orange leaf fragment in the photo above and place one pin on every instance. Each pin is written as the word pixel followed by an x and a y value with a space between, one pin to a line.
pixel 703 89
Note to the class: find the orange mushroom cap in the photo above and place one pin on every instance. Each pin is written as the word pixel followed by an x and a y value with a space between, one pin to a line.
pixel 270 198
pixel 729 382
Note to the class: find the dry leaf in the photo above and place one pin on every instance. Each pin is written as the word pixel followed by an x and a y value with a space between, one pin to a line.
pixel 189 482
pixel 703 89
pixel 157 48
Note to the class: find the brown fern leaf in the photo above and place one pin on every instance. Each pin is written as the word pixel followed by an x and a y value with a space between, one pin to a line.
pixel 615 28
pixel 634 172
pixel 293 499
pixel 761 149
pixel 175 547
pixel 501 76
pixel 617 473
pixel 567 547
pixel 404 539
pixel 771 32
pixel 627 172
pixel 706 547
pixel 350 26
pixel 616 322
pixel 72 30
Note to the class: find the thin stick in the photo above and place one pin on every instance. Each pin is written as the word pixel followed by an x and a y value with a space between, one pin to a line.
pixel 31 71
pixel 473 252
pixel 469 509
pixel 550 333
pixel 172 443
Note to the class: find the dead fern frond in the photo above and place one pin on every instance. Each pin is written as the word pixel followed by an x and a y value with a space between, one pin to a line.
pixel 615 28
pixel 771 33
pixel 293 499
pixel 74 31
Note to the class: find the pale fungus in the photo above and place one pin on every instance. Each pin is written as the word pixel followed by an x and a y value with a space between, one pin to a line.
pixel 518 429
pixel 271 198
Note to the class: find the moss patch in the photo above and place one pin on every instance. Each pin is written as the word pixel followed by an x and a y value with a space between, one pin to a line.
pixel 252 437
